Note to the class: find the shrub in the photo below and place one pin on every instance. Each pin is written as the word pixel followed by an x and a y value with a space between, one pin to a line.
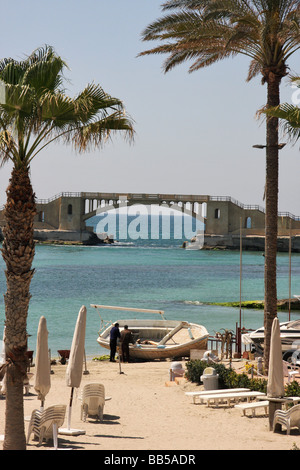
pixel 228 378
pixel 195 369
pixel 292 389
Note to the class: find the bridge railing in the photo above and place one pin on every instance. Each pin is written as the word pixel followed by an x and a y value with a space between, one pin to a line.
pixel 237 203
pixel 57 196
pixel 288 215
pixel 160 197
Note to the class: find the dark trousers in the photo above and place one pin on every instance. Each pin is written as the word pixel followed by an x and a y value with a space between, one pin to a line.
pixel 125 352
pixel 113 348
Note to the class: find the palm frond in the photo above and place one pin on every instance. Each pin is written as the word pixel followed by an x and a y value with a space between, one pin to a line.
pixel 97 133
pixel 290 119
pixel 254 70
pixel 35 110
pixel 206 31
pixel 184 4
pixel 18 99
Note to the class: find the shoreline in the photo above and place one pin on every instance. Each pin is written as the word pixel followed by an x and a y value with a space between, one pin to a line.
pixel 147 412
pixel 282 304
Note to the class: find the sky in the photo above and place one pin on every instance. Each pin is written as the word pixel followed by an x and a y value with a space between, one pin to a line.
pixel 193 132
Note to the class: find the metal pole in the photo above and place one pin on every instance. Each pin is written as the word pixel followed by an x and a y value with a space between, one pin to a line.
pixel 240 327
pixel 290 271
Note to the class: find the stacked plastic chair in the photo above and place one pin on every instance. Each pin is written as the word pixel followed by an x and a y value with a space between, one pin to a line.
pixel 290 418
pixel 44 424
pixel 92 401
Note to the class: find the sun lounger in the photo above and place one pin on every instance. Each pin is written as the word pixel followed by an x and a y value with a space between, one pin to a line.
pixel 253 406
pixel 218 398
pixel 199 394
pixel 290 419
pixel 295 401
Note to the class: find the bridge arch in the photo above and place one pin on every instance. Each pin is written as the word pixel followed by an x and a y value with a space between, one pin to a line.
pixel 117 205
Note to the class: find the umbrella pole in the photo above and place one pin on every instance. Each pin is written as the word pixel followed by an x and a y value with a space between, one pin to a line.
pixel 68 431
pixel 120 362
pixel 70 408
pixel 85 372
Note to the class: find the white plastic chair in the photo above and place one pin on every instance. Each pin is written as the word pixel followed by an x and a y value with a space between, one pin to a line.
pixel 44 424
pixel 287 372
pixel 176 370
pixel 290 419
pixel 92 401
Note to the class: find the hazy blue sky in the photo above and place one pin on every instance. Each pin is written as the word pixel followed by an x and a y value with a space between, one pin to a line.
pixel 194 132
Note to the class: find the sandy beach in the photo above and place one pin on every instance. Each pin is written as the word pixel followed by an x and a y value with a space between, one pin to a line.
pixel 146 414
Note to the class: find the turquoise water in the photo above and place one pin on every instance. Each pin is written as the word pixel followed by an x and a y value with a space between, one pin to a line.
pixel 168 278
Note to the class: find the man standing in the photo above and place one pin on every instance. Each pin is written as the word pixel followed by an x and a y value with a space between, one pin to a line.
pixel 125 338
pixel 114 335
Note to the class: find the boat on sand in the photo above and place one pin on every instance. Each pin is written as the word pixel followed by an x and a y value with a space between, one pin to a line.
pixel 156 339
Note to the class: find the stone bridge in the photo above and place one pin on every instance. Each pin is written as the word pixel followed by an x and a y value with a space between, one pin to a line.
pixel 222 216
pixel 71 211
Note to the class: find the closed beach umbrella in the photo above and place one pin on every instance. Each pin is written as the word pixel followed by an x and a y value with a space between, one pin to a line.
pixel 75 364
pixel 42 363
pixel 275 387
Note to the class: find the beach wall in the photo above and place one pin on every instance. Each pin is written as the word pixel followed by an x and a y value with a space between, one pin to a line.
pixel 62 236
pixel 252 242
pixel 228 242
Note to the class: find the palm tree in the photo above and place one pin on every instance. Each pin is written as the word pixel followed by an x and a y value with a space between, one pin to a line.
pixel 34 112
pixel 266 31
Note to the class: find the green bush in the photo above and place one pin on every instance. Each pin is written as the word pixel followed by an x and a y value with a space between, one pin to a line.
pixel 292 389
pixel 228 378
pixel 195 369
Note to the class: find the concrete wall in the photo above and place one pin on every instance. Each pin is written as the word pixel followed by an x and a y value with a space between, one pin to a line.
pixel 229 217
pixel 217 218
pixel 48 213
pixel 71 211
pixel 61 236
pixel 63 213
pixel 251 243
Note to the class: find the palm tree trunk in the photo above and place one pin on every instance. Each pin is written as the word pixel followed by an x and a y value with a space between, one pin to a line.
pixel 18 253
pixel 271 219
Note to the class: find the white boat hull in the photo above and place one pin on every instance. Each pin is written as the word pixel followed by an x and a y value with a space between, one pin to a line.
pixel 289 335
pixel 171 338
pixel 196 243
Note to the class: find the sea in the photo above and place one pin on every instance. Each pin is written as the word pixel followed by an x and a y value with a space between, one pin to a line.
pixel 149 274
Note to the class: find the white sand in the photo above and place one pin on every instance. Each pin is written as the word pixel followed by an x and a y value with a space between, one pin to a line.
pixel 145 414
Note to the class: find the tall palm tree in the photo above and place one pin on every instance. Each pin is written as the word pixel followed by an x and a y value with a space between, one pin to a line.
pixel 34 112
pixel 266 31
